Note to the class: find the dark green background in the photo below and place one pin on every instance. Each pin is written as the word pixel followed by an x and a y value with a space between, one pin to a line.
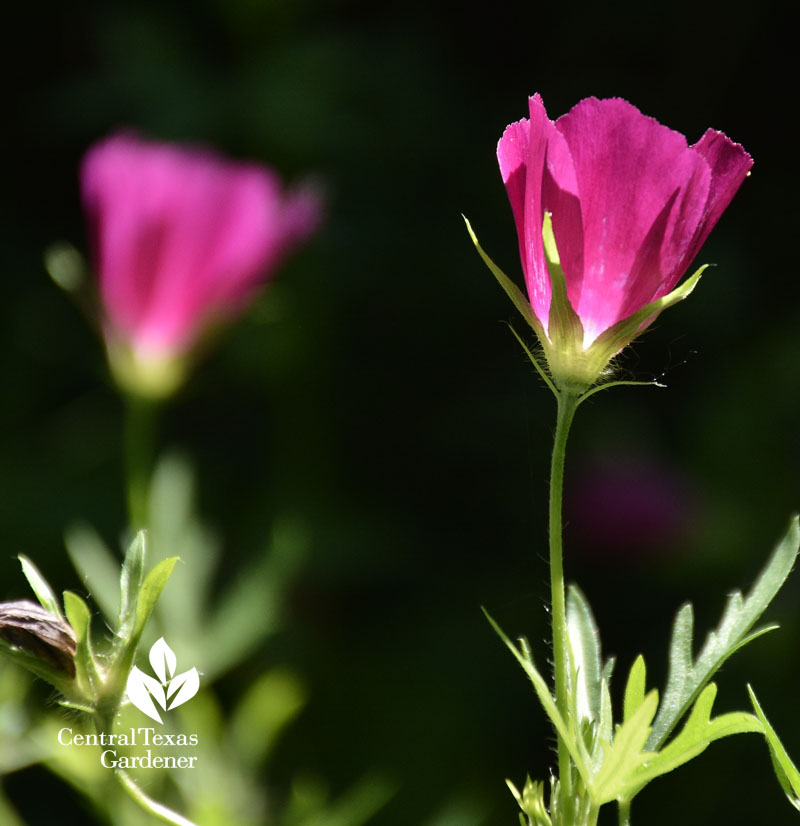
pixel 375 393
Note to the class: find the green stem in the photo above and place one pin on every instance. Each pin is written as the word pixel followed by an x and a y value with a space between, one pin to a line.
pixel 625 813
pixel 567 404
pixel 139 448
pixel 148 804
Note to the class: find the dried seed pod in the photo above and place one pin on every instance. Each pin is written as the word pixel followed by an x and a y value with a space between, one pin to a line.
pixel 31 628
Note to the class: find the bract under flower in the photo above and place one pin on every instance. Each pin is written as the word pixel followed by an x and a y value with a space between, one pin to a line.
pixel 631 204
pixel 182 239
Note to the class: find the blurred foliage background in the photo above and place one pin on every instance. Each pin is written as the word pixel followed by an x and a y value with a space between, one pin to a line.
pixel 375 401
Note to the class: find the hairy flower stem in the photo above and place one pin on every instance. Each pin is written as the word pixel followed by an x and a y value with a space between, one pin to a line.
pixel 567 405
pixel 156 809
pixel 139 447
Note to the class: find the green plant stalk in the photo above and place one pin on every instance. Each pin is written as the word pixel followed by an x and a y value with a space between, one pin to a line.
pixel 156 809
pixel 625 814
pixel 139 451
pixel 567 405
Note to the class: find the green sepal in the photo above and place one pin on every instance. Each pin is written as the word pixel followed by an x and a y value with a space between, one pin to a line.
pixel 40 587
pixel 688 676
pixel 612 340
pixel 535 362
pixel 79 617
pixel 564 328
pixel 785 770
pixel 510 288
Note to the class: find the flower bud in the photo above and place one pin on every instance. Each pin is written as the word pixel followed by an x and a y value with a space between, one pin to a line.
pixel 29 628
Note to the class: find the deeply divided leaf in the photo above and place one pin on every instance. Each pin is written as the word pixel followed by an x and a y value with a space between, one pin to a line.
pixel 626 754
pixel 698 732
pixel 688 676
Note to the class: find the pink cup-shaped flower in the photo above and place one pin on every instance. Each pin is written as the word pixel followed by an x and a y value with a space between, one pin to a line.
pixel 182 239
pixel 611 207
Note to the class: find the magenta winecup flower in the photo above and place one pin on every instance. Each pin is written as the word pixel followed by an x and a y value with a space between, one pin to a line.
pixel 611 207
pixel 182 239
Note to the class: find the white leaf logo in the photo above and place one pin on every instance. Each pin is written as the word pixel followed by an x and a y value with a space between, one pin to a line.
pixel 168 691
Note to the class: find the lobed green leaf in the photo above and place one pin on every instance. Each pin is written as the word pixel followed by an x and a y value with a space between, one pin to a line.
pixel 688 676
pixel 698 732
pixel 626 755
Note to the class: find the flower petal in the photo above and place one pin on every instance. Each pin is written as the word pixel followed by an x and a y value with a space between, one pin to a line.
pixel 641 189
pixel 730 164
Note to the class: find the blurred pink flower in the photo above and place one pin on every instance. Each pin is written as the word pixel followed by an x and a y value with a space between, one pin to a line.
pixel 631 206
pixel 621 506
pixel 182 239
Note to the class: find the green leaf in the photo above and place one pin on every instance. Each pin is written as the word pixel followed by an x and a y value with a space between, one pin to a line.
pixel 605 723
pixel 510 288
pixel 268 706
pixel 40 586
pixel 584 644
pixel 79 617
pixel 130 584
pixel 626 755
pixel 547 701
pixel 635 688
pixel 698 732
pixel 148 595
pixel 96 566
pixel 688 676
pixel 785 770
pixel 151 590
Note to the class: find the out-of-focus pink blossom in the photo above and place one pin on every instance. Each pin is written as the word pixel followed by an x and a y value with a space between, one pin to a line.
pixel 631 205
pixel 624 506
pixel 182 239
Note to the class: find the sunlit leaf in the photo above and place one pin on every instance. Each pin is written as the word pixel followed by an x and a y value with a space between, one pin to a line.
pixel 40 586
pixel 785 770
pixel 698 732
pixel 688 676
pixel 626 754
pixel 130 584
pixel 584 643
pixel 635 688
